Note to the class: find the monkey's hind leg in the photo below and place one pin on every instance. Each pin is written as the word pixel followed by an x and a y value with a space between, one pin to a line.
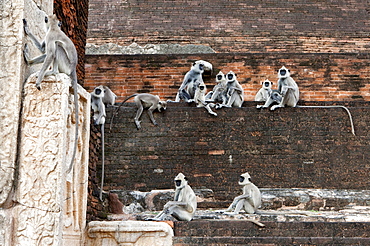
pixel 210 110
pixel 232 205
pixel 137 117
pixel 248 208
pixel 150 113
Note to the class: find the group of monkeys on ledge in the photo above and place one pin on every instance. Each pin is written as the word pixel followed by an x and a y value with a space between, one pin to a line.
pixel 226 93
pixel 184 205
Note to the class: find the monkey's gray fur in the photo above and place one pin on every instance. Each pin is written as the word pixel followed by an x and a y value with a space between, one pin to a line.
pixel 287 88
pixel 184 205
pixel 218 94
pixel 188 86
pixel 144 101
pixel 264 93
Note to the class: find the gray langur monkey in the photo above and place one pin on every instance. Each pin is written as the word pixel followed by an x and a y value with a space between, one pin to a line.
pixel 199 97
pixel 235 92
pixel 274 98
pixel 109 98
pixel 250 200
pixel 184 204
pixel 287 88
pixel 188 86
pixel 60 53
pixel 144 101
pixel 218 94
pixel 98 106
pixel 264 93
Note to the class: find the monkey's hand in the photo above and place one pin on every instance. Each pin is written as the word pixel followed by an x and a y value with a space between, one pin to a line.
pixel 25 27
pixel 275 107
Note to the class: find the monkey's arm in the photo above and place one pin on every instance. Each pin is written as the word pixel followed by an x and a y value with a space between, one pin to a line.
pixel 185 82
pixel 40 46
pixel 284 89
pixel 242 196
pixel 237 88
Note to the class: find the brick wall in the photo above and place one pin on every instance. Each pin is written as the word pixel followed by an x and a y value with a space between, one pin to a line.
pixel 74 17
pixel 320 77
pixel 288 148
pixel 234 26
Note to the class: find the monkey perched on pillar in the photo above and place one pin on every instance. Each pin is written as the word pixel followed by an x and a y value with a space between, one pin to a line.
pixel 60 53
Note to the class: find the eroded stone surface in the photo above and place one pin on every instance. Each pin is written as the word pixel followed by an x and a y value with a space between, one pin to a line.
pixel 138 233
pixel 135 49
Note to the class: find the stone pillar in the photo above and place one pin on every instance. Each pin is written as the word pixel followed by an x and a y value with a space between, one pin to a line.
pixel 12 77
pixel 51 204
pixel 129 233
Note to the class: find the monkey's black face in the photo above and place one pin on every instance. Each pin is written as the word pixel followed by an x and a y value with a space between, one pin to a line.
pixel 267 84
pixel 46 19
pixel 219 77
pixel 201 66
pixel 202 87
pixel 98 91
pixel 178 183
pixel 282 72
pixel 241 179
pixel 230 76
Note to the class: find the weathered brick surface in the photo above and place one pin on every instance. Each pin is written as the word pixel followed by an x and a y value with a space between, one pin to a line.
pixel 94 206
pixel 234 26
pixel 320 77
pixel 275 233
pixel 290 147
pixel 74 17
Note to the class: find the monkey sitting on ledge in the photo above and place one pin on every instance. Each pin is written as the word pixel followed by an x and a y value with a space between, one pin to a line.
pixel 184 204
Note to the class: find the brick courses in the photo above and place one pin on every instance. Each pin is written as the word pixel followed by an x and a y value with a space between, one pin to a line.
pixel 287 148
pixel 74 17
pixel 320 77
pixel 234 26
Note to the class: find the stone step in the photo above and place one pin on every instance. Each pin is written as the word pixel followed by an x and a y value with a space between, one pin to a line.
pixel 231 232
pixel 272 199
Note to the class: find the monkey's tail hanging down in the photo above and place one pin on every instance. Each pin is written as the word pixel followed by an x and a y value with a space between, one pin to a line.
pixel 335 106
pixel 75 95
pixel 116 111
pixel 102 163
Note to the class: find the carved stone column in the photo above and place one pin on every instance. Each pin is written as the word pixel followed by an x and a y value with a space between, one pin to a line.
pixel 51 204
pixel 130 233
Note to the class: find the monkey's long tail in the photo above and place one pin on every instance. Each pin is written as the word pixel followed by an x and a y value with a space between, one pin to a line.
pixel 116 111
pixel 75 95
pixel 102 163
pixel 335 106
